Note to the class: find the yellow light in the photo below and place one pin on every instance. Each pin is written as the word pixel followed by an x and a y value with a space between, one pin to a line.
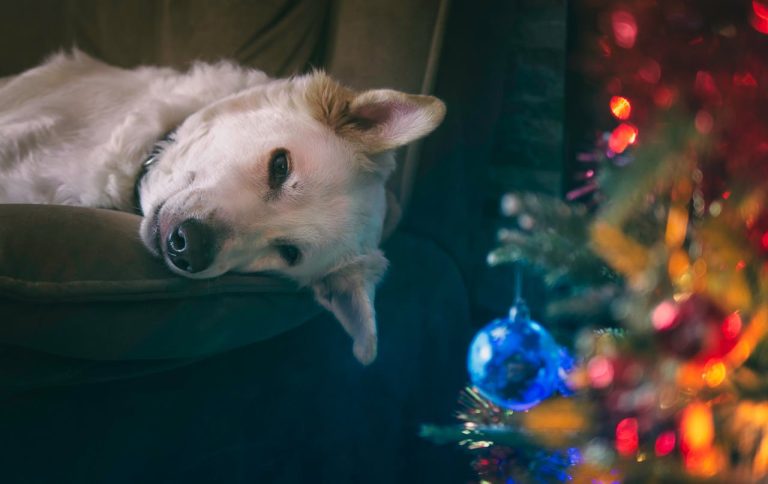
pixel 696 427
pixel 714 373
pixel 678 264
pixel 677 226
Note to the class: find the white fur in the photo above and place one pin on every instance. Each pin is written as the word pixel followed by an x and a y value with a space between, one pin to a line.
pixel 75 131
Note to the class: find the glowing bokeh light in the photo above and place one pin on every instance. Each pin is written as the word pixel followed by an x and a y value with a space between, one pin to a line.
pixel 624 28
pixel 620 107
pixel 696 427
pixel 650 72
pixel 760 9
pixel 664 97
pixel 705 84
pixel 624 135
pixel 705 463
pixel 714 373
pixel 759 23
pixel 704 122
pixel 664 315
pixel 745 79
pixel 665 443
pixel 731 327
pixel 600 371
pixel 627 438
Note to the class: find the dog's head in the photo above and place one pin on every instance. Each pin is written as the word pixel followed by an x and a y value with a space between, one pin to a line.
pixel 289 178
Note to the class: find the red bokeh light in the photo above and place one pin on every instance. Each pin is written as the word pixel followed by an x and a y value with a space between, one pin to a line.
pixel 664 97
pixel 627 437
pixel 745 79
pixel 759 23
pixel 705 84
pixel 731 327
pixel 624 28
pixel 650 72
pixel 665 443
pixel 624 135
pixel 760 9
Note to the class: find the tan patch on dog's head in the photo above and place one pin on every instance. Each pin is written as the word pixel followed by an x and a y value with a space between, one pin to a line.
pixel 329 101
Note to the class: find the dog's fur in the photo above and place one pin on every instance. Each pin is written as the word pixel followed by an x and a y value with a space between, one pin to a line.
pixel 75 131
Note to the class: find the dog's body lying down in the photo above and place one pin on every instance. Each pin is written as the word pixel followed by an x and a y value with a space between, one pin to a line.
pixel 232 170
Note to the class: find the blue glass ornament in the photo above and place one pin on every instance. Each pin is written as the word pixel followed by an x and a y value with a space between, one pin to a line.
pixel 514 362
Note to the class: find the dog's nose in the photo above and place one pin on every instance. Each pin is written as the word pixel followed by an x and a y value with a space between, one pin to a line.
pixel 190 246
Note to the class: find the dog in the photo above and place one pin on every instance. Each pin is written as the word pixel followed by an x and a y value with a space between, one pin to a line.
pixel 232 170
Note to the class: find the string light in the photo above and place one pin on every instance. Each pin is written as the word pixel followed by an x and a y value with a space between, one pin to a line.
pixel 624 135
pixel 627 439
pixel 624 28
pixel 714 373
pixel 665 443
pixel 620 107
pixel 696 428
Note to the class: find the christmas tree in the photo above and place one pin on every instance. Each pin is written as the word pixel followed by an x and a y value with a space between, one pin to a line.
pixel 664 253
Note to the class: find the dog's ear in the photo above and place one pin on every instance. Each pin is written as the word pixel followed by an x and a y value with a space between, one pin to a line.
pixel 383 119
pixel 376 120
pixel 348 292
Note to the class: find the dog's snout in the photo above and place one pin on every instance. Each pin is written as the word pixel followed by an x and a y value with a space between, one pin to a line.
pixel 191 246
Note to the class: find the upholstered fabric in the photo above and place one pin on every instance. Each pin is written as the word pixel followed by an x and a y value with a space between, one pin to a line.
pixel 280 37
pixel 78 282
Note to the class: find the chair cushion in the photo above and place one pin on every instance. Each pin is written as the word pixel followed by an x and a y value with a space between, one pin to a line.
pixel 78 282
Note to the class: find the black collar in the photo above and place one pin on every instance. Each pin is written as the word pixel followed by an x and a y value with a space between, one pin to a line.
pixel 151 159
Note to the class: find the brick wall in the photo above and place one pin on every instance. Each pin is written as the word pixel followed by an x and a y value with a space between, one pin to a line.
pixel 529 150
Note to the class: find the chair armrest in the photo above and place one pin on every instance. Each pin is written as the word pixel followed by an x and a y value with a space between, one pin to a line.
pixel 78 282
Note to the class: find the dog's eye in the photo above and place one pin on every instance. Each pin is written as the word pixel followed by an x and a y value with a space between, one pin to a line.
pixel 290 254
pixel 279 169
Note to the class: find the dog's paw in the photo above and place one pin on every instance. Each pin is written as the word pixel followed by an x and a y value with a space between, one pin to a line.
pixel 364 349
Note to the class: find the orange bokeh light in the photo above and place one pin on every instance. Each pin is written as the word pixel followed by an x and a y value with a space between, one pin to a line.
pixel 705 463
pixel 620 107
pixel 714 373
pixel 696 428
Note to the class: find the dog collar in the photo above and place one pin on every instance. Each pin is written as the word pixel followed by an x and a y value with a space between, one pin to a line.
pixel 151 159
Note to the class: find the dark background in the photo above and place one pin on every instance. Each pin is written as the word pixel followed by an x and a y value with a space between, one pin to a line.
pixel 503 74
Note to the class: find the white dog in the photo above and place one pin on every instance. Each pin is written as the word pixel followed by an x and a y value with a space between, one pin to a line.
pixel 232 170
